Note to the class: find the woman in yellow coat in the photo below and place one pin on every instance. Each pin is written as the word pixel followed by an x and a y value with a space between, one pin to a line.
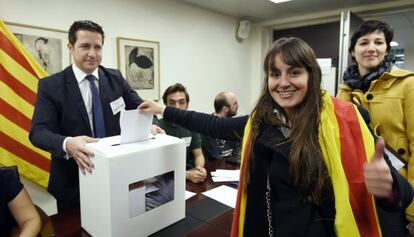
pixel 386 91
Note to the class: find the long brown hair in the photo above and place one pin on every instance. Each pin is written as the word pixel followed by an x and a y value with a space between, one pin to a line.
pixel 307 169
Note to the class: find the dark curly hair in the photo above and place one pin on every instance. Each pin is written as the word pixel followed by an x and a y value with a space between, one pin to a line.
pixel 177 87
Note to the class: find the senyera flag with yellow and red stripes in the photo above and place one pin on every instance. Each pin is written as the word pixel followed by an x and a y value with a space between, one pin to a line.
pixel 19 75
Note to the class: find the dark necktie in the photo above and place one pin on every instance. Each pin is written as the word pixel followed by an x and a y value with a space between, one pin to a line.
pixel 98 120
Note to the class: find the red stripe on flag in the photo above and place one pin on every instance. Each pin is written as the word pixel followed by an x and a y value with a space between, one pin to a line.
pixel 8 47
pixel 24 92
pixel 353 161
pixel 24 152
pixel 14 116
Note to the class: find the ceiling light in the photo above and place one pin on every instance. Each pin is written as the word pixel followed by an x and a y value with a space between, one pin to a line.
pixel 394 44
pixel 279 1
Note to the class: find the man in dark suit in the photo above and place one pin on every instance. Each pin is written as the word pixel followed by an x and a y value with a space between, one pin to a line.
pixel 75 107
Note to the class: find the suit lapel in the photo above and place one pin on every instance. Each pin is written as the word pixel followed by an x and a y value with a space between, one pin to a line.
pixel 104 93
pixel 103 88
pixel 72 86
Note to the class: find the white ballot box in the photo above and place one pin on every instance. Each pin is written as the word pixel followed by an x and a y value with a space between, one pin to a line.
pixel 135 189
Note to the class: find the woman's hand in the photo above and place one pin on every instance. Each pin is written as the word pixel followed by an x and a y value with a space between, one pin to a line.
pixel 150 106
pixel 378 178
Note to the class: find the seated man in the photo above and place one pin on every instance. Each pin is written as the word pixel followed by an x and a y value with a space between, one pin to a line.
pixel 177 96
pixel 225 105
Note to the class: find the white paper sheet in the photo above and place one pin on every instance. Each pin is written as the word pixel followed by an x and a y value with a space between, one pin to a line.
pixel 226 173
pixel 328 75
pixel 394 160
pixel 136 201
pixel 223 194
pixel 221 175
pixel 189 194
pixel 135 126
pixel 223 179
pixel 325 64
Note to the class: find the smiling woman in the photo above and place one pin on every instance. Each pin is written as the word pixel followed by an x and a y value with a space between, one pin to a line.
pixel 287 85
pixel 303 155
pixel 370 51
pixel 387 93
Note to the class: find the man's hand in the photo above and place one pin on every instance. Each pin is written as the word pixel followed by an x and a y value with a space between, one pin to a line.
pixel 202 171
pixel 76 148
pixel 378 178
pixel 151 107
pixel 156 129
pixel 196 175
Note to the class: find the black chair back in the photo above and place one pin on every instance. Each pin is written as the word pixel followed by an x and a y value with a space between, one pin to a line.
pixel 14 171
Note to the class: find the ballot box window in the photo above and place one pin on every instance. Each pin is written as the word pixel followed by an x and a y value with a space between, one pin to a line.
pixel 150 193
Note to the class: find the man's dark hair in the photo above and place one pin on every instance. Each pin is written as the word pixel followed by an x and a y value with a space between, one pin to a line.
pixel 177 87
pixel 369 27
pixel 84 25
pixel 220 101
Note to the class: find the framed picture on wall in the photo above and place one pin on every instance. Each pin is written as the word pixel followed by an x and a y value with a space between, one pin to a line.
pixel 48 46
pixel 138 60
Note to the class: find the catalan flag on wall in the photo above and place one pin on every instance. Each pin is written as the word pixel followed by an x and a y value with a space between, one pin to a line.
pixel 19 75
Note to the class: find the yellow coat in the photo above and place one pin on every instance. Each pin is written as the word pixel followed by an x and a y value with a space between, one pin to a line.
pixel 390 102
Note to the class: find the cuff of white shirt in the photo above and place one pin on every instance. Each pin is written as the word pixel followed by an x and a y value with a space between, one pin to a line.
pixel 66 156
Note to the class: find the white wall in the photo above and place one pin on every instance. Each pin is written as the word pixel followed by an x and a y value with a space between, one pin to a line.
pixel 260 42
pixel 197 47
pixel 409 55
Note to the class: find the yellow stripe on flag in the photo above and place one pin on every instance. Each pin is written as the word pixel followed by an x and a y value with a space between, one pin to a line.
pixel 18 72
pixel 20 135
pixel 243 195
pixel 16 101
pixel 28 170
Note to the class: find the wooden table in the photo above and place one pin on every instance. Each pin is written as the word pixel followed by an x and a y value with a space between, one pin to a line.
pixel 68 223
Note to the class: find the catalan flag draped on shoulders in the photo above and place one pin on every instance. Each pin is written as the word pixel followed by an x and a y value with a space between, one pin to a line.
pixel 19 75
pixel 346 144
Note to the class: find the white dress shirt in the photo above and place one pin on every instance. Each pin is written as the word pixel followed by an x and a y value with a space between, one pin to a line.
pixel 85 90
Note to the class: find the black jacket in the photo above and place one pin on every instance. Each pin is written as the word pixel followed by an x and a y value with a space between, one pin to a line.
pixel 294 213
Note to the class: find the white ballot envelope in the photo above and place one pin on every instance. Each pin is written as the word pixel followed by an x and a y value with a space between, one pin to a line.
pixel 135 126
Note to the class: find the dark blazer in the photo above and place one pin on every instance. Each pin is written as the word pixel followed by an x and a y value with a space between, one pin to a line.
pixel 60 112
